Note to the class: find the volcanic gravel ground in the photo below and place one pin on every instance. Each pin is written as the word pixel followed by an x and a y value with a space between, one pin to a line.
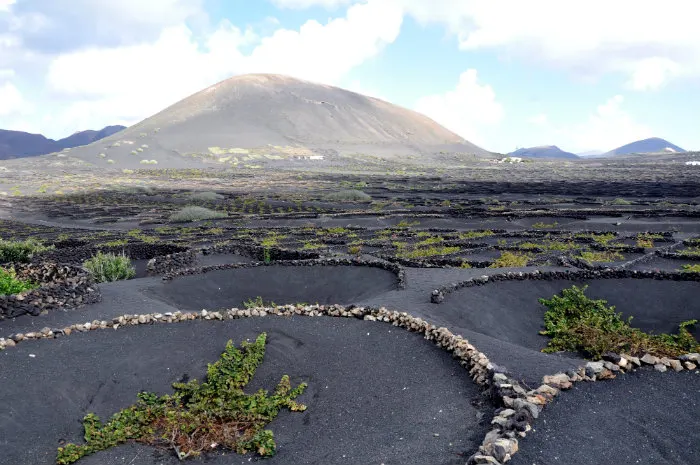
pixel 643 417
pixel 662 264
pixel 279 284
pixel 510 310
pixel 377 393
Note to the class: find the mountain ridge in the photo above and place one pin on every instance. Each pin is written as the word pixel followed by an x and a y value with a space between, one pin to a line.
pixel 20 144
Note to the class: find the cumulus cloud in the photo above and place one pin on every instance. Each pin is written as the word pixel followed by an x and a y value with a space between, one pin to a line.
pixel 653 73
pixel 6 4
pixel 609 126
pixel 466 110
pixel 53 26
pixel 588 38
pixel 11 100
pixel 109 85
pixel 301 4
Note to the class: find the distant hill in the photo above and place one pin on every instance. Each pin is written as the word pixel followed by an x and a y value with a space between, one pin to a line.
pixel 269 119
pixel 544 151
pixel 88 137
pixel 18 144
pixel 651 145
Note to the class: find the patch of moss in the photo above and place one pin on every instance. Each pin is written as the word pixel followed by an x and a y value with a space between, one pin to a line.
pixel 198 417
pixel 576 323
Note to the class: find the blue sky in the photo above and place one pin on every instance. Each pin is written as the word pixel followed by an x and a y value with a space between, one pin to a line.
pixel 501 73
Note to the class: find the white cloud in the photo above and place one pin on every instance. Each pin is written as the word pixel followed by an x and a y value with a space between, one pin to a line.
pixel 588 38
pixel 326 52
pixel 301 4
pixel 608 127
pixel 11 100
pixel 125 84
pixel 653 73
pixel 6 4
pixel 539 120
pixel 466 110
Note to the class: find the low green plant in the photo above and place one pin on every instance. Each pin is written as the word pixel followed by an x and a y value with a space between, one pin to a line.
pixel 348 195
pixel 355 249
pixel 475 234
pixel 404 224
pixel 425 252
pixel 198 417
pixel 20 251
pixel 694 268
pixel 690 252
pixel 10 284
pixel 114 243
pixel 206 196
pixel 605 256
pixel 542 225
pixel 599 238
pixel 108 267
pixel 620 201
pixel 195 213
pixel 510 260
pixel 576 323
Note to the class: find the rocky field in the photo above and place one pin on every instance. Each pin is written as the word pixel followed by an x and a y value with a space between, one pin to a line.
pixel 409 304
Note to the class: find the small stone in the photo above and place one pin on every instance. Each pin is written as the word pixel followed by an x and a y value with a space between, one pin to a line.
pixel 370 318
pixel 631 359
pixel 606 374
pixel 10 343
pixel 689 365
pixel 650 359
pixel 503 449
pixel 660 367
pixel 593 368
pixel 676 365
pixel 519 404
pixel 612 357
pixel 483 459
pixel 547 390
pixel 560 381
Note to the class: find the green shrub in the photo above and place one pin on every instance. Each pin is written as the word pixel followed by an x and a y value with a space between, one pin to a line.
pixel 475 234
pixel 206 196
pixel 349 195
pixel 10 284
pixel 576 323
pixel 433 251
pixel 603 257
pixel 690 252
pixel 194 213
pixel 198 417
pixel 620 201
pixel 694 268
pixel 108 267
pixel 20 251
pixel 510 260
pixel 542 225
